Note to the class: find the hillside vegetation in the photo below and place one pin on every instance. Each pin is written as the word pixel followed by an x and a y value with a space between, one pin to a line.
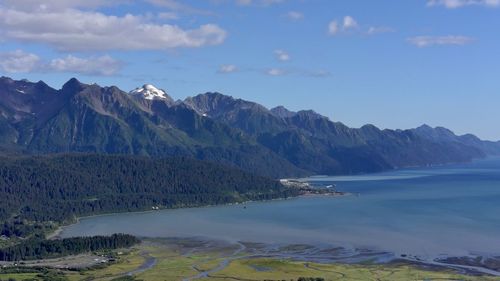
pixel 278 143
pixel 59 188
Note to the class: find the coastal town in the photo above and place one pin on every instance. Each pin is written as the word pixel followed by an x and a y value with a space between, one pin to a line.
pixel 308 189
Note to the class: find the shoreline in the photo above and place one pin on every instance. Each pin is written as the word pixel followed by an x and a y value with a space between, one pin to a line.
pixel 395 257
pixel 358 256
pixel 56 233
pixel 199 258
pixel 456 260
pixel 322 254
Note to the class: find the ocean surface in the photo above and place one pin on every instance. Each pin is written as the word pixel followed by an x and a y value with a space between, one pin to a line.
pixel 427 212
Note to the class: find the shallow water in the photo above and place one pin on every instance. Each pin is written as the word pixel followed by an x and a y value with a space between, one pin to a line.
pixel 428 212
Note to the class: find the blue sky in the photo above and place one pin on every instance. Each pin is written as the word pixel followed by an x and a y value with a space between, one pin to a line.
pixel 395 64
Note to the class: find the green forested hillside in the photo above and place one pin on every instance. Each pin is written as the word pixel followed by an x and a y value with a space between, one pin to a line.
pixel 58 188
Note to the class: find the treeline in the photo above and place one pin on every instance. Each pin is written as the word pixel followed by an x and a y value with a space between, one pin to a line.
pixel 20 228
pixel 41 274
pixel 58 188
pixel 41 249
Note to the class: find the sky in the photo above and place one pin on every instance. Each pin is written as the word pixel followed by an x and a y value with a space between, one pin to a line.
pixel 394 64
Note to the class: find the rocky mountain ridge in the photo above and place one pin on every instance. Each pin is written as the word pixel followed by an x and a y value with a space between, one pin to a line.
pixel 35 118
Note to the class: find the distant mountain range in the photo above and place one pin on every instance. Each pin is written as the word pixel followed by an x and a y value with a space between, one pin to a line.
pixel 37 119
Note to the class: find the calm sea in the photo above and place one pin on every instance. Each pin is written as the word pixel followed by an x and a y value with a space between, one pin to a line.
pixel 450 210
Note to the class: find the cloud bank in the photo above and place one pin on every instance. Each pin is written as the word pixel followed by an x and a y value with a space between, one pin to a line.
pixel 70 29
pixel 350 25
pixel 453 4
pixel 429 41
pixel 22 62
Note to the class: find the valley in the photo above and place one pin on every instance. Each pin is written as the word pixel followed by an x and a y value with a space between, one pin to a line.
pixel 185 259
pixel 249 140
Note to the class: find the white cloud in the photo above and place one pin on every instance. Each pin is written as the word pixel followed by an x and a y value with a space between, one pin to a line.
pixel 60 5
pixel 57 5
pixel 333 27
pixel 372 30
pixel 294 15
pixel 428 41
pixel 282 55
pixel 258 2
pixel 275 72
pixel 169 4
pixel 104 65
pixel 228 68
pixel 349 23
pixel 298 72
pixel 74 30
pixel 22 62
pixel 453 4
pixel 175 5
pixel 318 73
pixel 18 61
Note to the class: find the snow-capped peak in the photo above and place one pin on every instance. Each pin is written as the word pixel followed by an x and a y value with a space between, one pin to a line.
pixel 149 92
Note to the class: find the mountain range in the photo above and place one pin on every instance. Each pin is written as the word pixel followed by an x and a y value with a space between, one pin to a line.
pixel 37 119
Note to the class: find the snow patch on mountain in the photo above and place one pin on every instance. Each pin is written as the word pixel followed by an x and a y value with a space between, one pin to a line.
pixel 150 92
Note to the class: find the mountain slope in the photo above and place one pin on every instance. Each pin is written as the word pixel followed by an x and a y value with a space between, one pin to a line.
pixel 89 118
pixel 315 143
pixel 35 118
pixel 443 135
